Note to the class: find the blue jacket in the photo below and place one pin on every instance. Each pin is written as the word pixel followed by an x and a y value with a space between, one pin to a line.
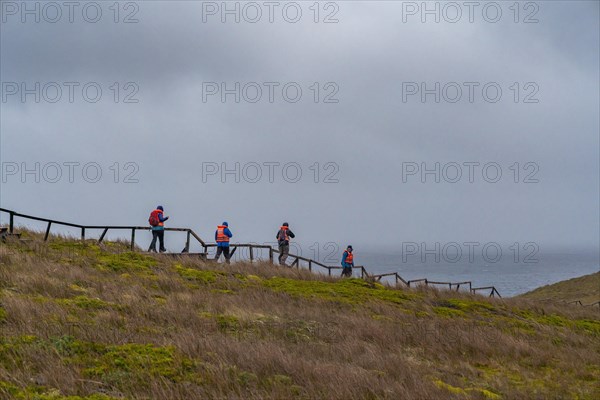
pixel 161 218
pixel 344 263
pixel 227 232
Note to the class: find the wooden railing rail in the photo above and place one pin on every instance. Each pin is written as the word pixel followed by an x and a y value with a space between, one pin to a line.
pixel 492 290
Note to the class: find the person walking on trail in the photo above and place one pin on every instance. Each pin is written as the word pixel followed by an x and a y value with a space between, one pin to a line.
pixel 157 222
pixel 222 236
pixel 283 240
pixel 347 262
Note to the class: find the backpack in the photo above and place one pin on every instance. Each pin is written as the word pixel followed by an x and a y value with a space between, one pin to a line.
pixel 153 220
pixel 283 237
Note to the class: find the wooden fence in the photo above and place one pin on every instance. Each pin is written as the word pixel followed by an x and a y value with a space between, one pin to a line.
pixel 190 234
pixel 574 302
pixel 425 282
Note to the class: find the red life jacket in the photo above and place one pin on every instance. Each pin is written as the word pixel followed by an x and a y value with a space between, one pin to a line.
pixel 349 257
pixel 221 236
pixel 283 235
pixel 154 216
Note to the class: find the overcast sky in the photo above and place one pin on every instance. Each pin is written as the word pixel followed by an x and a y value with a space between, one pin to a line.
pixel 368 129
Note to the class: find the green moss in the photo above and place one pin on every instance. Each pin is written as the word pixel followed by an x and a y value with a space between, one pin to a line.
pixel 469 305
pixel 131 362
pixel 127 261
pixel 196 275
pixel 72 248
pixel 553 320
pixel 488 394
pixel 485 393
pixel 227 323
pixel 461 307
pixel 353 291
pixel 379 317
pixel 589 326
pixel 8 389
pixel 2 314
pixel 109 256
pixel 452 389
pixel 448 312
pixel 247 378
pixel 77 288
pixel 119 365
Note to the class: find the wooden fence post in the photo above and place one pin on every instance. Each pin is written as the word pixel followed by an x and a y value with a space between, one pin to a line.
pixel 251 253
pixel 310 265
pixel 132 239
pixel 82 234
pixel 271 254
pixel 47 231
pixel 103 234
pixel 12 223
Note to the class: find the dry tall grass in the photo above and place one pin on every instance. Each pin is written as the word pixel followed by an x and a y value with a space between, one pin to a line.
pixel 77 320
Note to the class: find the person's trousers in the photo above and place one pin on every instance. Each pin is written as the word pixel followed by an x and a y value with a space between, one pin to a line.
pixel 284 250
pixel 224 251
pixel 347 271
pixel 160 235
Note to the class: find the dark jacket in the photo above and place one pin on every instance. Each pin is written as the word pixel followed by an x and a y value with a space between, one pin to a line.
pixel 282 242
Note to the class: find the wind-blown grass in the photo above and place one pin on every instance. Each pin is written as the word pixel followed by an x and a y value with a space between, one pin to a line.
pixel 83 321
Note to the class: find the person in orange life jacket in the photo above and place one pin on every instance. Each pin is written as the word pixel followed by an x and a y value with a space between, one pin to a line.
pixel 157 221
pixel 222 235
pixel 347 262
pixel 283 240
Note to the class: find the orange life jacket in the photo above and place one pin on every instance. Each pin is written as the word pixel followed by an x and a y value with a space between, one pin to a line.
pixel 285 237
pixel 221 236
pixel 349 257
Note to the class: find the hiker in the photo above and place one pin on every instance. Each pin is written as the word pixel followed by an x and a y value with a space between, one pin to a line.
pixel 222 236
pixel 157 222
pixel 283 240
pixel 347 262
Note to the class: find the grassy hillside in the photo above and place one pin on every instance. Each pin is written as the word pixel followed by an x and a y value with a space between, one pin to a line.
pixel 585 289
pixel 79 321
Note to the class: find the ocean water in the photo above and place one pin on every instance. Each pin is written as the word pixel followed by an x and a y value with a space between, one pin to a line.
pixel 510 278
